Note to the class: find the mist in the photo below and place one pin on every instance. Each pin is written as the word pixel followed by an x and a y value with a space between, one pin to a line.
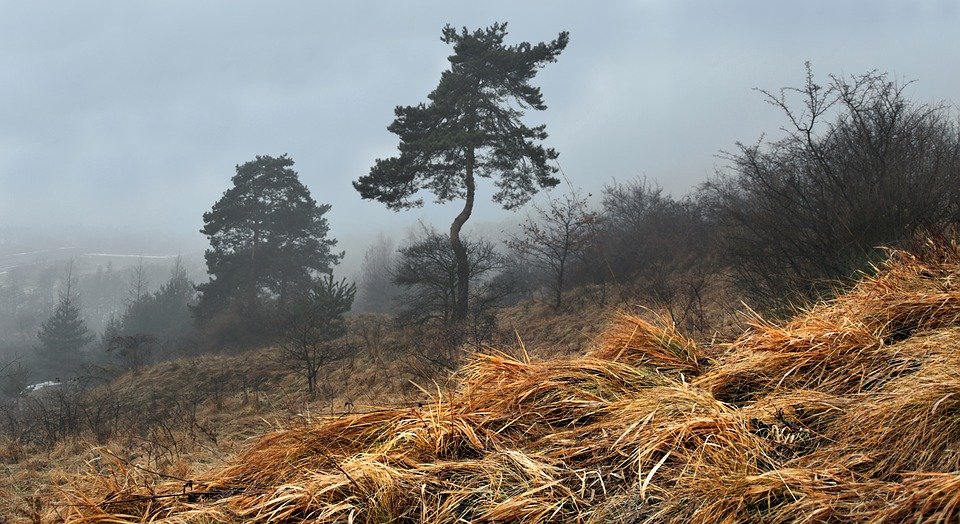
pixel 724 229
pixel 121 123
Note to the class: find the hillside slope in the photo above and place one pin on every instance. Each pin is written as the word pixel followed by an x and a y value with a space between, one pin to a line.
pixel 849 412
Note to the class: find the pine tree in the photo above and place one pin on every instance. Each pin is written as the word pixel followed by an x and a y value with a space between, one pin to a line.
pixel 268 237
pixel 63 335
pixel 312 324
pixel 164 314
pixel 470 128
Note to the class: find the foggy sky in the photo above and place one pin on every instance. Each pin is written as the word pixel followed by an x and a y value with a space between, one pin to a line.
pixel 129 117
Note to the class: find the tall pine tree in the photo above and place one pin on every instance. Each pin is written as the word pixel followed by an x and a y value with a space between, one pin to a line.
pixel 471 128
pixel 268 237
pixel 63 335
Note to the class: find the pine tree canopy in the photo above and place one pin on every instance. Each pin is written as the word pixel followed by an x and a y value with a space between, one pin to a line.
pixel 267 236
pixel 475 111
pixel 62 336
pixel 163 314
pixel 471 127
pixel 64 332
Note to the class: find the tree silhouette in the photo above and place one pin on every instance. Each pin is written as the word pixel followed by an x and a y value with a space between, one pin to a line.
pixel 554 237
pixel 64 334
pixel 426 271
pixel 312 326
pixel 268 237
pixel 471 127
pixel 861 166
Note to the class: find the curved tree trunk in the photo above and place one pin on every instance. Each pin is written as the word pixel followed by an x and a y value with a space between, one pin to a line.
pixel 460 305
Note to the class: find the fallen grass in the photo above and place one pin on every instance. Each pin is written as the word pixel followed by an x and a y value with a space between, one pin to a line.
pixel 849 412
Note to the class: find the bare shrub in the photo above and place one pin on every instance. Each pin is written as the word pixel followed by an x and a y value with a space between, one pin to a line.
pixel 861 166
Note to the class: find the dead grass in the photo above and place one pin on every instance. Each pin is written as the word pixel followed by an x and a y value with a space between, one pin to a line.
pixel 849 412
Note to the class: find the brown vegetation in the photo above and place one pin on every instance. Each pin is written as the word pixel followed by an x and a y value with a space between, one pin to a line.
pixel 846 413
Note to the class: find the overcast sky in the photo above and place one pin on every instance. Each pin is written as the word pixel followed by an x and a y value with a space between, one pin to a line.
pixel 129 116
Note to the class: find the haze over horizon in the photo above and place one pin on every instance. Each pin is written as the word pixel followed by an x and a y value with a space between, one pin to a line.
pixel 121 123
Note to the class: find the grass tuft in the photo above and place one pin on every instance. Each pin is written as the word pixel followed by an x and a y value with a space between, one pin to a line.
pixel 848 412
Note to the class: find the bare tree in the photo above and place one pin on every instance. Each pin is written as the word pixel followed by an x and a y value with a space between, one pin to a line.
pixel 655 249
pixel 553 236
pixel 427 271
pixel 860 167
pixel 138 283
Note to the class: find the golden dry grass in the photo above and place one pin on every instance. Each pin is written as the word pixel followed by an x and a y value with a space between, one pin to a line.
pixel 849 412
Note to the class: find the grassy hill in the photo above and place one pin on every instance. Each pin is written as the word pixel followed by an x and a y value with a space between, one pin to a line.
pixel 178 419
pixel 848 412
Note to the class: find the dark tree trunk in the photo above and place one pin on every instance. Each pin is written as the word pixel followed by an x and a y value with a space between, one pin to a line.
pixel 460 305
pixel 251 298
pixel 558 300
pixel 312 372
